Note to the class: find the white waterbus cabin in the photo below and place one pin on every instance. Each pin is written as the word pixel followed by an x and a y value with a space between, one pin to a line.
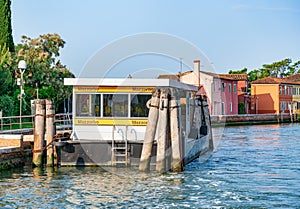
pixel 111 114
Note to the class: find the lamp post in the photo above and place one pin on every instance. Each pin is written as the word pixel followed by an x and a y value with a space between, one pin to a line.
pixel 22 66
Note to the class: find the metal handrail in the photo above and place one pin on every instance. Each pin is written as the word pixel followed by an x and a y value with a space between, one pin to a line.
pixel 12 123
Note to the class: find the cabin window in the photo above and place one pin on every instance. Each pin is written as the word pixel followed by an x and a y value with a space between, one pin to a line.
pixel 112 105
pixel 115 105
pixel 87 105
pixel 138 106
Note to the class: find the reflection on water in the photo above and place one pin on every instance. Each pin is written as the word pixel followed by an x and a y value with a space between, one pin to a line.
pixel 252 166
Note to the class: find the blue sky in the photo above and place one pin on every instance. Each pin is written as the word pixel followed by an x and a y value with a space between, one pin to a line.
pixel 233 34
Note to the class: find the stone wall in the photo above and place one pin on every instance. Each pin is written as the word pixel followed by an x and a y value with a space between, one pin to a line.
pixel 11 151
pixel 251 118
pixel 11 157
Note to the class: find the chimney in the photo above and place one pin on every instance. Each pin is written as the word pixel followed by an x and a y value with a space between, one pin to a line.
pixel 197 71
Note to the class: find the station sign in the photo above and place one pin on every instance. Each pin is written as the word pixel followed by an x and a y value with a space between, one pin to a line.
pixel 110 122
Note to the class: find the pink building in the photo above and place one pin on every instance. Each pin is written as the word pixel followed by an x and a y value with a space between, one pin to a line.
pixel 225 95
pixel 222 90
pixel 242 91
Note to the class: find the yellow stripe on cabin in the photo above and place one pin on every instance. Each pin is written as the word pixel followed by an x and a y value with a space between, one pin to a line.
pixel 111 89
pixel 110 122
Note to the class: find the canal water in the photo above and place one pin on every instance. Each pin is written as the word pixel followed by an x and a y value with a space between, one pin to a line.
pixel 251 167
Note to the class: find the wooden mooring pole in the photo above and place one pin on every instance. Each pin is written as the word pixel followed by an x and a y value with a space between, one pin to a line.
pixel 164 111
pixel 150 131
pixel 162 131
pixel 50 131
pixel 176 143
pixel 207 120
pixel 39 133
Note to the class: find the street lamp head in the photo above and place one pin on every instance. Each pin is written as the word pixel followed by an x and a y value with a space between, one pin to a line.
pixel 22 64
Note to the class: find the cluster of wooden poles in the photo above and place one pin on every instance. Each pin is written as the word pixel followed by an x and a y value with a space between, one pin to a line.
pixel 44 127
pixel 163 120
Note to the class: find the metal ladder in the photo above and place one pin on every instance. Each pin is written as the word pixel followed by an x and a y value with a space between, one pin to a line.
pixel 119 151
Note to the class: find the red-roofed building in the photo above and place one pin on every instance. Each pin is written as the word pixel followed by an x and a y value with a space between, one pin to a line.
pixel 296 92
pixel 272 95
pixel 242 91
pixel 222 90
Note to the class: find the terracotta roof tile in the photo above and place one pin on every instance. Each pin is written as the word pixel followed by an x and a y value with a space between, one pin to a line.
pixel 271 80
pixel 295 77
pixel 235 76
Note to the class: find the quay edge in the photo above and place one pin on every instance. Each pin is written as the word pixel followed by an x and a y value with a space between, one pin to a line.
pixel 252 119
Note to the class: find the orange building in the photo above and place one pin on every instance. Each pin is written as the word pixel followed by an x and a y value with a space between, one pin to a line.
pixel 271 95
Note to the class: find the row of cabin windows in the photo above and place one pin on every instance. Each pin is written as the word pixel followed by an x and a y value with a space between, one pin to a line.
pixel 112 105
pixel 223 87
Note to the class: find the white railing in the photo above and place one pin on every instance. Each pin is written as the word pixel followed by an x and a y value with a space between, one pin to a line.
pixel 26 122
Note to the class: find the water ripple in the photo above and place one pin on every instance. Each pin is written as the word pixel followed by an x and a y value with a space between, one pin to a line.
pixel 252 167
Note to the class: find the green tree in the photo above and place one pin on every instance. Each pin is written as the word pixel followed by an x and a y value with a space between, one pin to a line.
pixel 6 105
pixel 278 69
pixel 44 70
pixel 5 25
pixel 242 71
pixel 6 102
pixel 241 107
pixel 254 75
pixel 295 68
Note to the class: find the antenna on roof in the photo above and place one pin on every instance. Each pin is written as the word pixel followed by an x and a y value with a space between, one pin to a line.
pixel 180 69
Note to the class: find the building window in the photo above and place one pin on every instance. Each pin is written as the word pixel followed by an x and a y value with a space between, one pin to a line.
pixel 215 88
pixel 223 87
pixel 285 90
pixel 234 88
pixel 230 106
pixel 280 90
pixel 216 108
pixel 223 108
pixel 283 106
pixel 229 88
